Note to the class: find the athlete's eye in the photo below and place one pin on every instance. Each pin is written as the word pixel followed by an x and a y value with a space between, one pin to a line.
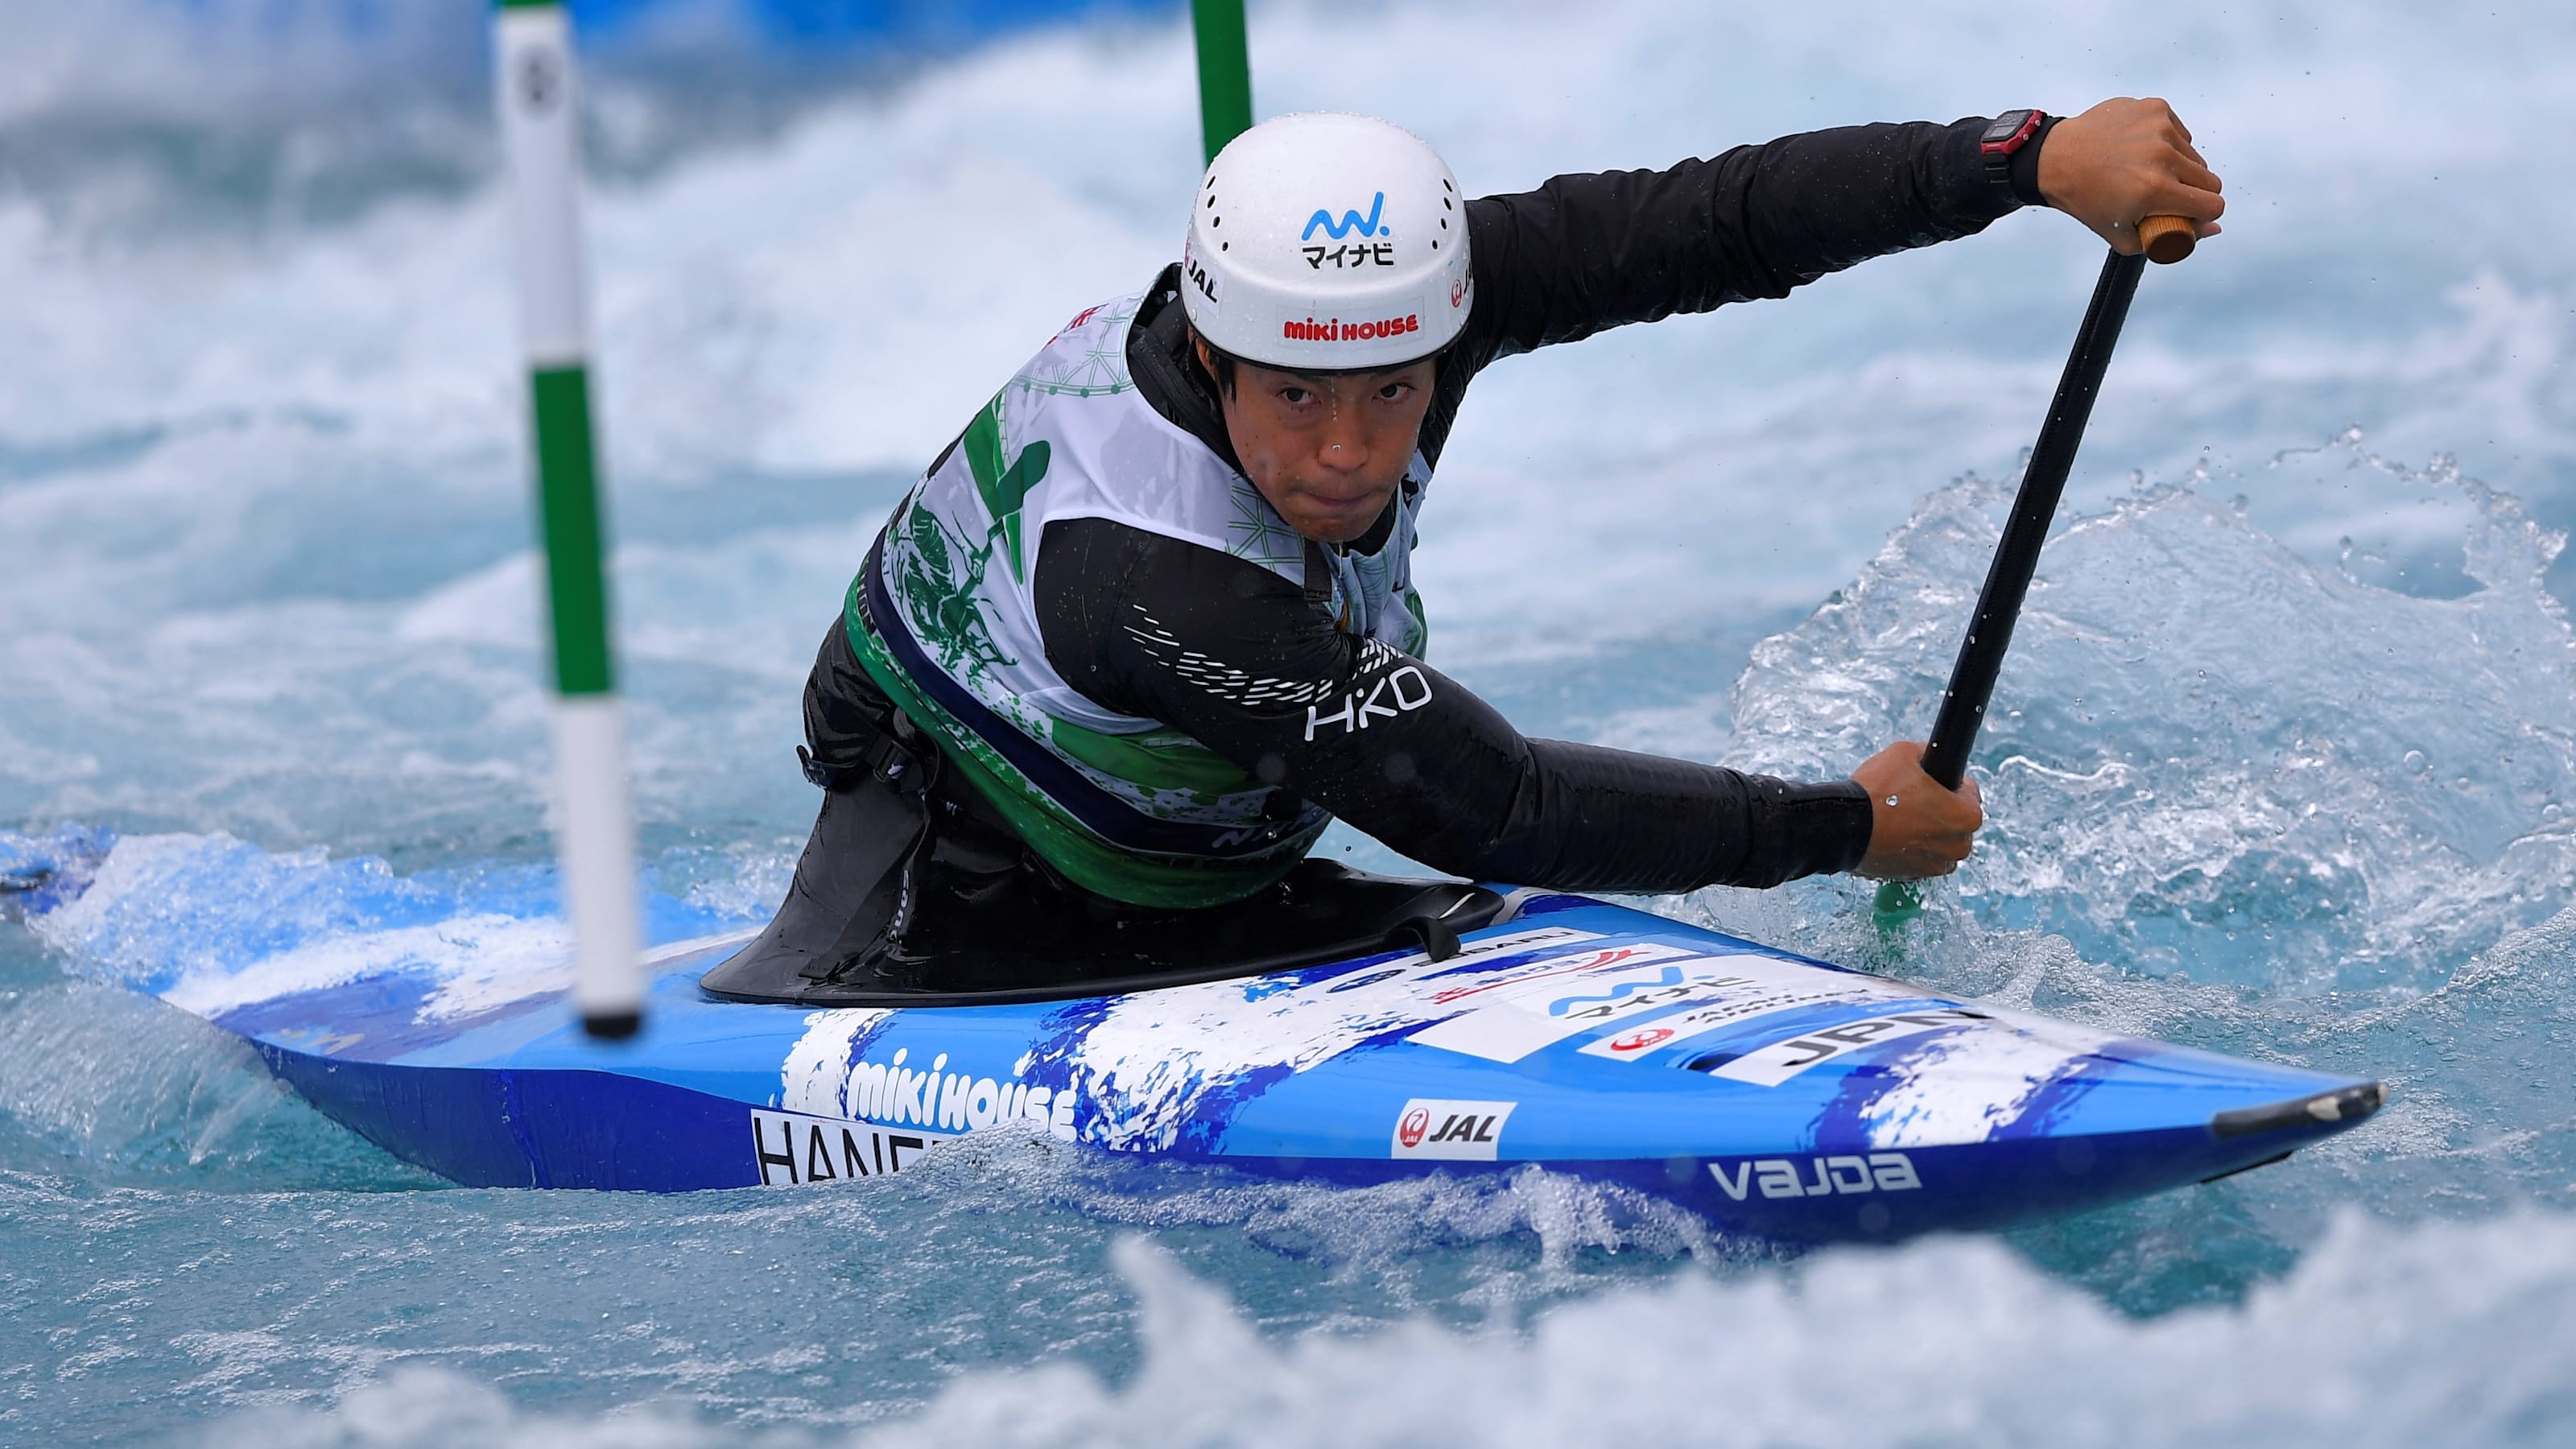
pixel 1295 396
pixel 1394 391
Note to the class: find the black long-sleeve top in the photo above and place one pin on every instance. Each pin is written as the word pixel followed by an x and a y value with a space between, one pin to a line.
pixel 1450 782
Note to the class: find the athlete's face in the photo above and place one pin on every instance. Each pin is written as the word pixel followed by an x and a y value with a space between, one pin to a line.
pixel 1326 451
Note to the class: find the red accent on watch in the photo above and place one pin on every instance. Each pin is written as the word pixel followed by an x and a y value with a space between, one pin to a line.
pixel 2031 121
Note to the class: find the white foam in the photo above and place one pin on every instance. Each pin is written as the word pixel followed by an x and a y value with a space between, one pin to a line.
pixel 1948 1342
pixel 211 925
pixel 477 962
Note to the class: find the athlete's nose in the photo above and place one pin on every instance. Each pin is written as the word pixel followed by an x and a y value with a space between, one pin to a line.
pixel 1343 447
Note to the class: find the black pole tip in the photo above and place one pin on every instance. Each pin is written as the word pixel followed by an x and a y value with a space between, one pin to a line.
pixel 611 1025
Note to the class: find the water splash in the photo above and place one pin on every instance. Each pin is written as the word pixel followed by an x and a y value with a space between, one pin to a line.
pixel 1946 1343
pixel 93 1070
pixel 2210 755
pixel 40 873
pixel 173 913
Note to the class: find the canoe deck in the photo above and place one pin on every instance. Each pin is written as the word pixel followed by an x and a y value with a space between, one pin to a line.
pixel 1772 1093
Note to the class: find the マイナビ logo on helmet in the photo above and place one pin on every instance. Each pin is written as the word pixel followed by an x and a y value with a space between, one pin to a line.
pixel 1351 220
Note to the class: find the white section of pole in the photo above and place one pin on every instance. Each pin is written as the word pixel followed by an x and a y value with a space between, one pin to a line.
pixel 595 840
pixel 540 134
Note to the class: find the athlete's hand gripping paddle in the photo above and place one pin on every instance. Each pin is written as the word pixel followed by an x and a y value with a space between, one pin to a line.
pixel 1990 630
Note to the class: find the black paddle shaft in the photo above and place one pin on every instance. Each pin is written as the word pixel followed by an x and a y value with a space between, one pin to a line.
pixel 1981 658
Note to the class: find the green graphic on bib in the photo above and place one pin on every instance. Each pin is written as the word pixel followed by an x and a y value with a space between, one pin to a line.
pixel 939 596
pixel 1004 489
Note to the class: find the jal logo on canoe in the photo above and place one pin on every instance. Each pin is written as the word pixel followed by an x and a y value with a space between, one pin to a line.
pixel 1456 1131
pixel 1415 1126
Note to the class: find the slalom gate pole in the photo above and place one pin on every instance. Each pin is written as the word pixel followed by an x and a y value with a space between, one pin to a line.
pixel 1225 72
pixel 595 832
pixel 2043 483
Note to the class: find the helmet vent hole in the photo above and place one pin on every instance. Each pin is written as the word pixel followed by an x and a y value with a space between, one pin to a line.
pixel 1225 246
pixel 1214 222
pixel 1211 199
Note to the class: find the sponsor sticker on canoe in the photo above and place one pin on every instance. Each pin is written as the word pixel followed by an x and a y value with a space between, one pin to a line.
pixel 794 1150
pixel 1569 995
pixel 1459 1131
pixel 1771 1065
pixel 1756 999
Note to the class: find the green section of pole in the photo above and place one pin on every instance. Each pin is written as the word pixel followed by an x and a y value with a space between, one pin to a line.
pixel 568 506
pixel 1225 72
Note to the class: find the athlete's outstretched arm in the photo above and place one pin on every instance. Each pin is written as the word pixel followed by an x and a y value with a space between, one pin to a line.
pixel 1250 665
pixel 1586 252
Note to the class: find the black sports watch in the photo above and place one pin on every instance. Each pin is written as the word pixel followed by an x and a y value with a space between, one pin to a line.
pixel 2006 137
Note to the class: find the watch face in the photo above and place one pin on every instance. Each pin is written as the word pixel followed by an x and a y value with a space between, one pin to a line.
pixel 2007 131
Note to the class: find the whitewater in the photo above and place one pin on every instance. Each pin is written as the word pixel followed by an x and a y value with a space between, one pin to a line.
pixel 2283 764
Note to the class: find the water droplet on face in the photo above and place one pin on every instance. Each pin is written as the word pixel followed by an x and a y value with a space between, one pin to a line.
pixel 2551 812
pixel 2415 762
pixel 1891 802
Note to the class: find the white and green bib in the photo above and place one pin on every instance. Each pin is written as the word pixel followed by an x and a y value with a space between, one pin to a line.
pixel 943 618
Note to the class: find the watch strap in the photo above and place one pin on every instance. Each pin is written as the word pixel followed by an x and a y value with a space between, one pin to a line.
pixel 2009 146
pixel 2025 165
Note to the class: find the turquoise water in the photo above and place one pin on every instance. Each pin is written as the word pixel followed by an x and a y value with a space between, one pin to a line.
pixel 2284 763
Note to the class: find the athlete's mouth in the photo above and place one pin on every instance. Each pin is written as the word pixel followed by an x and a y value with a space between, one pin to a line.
pixel 1331 503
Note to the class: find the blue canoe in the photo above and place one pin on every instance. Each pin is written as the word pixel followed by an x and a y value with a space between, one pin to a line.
pixel 1771 1093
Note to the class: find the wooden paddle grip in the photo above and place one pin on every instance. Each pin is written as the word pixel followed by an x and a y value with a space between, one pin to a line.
pixel 2168 238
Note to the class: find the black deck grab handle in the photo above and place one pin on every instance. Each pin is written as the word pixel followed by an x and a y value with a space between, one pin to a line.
pixel 1981 657
pixel 1439 939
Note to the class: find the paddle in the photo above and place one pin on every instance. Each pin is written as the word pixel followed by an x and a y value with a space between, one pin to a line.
pixel 1981 656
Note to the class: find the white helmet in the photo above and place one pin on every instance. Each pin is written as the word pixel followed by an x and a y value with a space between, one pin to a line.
pixel 1327 242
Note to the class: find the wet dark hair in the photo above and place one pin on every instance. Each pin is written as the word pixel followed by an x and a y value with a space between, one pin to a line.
pixel 1224 360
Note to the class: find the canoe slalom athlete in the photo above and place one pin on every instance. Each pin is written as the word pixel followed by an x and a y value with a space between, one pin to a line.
pixel 1149 623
